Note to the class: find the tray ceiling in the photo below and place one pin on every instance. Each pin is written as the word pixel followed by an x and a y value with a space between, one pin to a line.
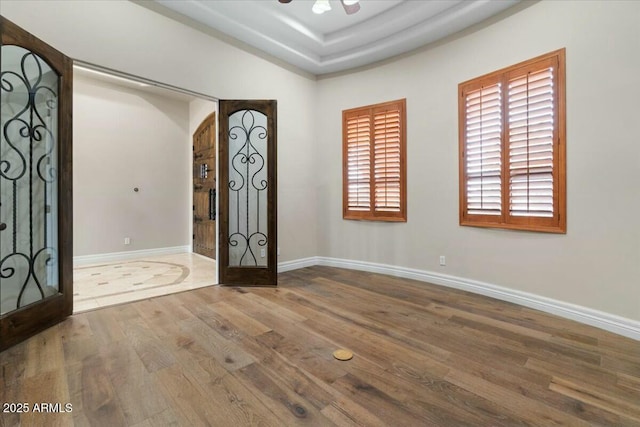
pixel 335 41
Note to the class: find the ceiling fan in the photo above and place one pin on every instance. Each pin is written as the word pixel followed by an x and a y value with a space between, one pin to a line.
pixel 322 6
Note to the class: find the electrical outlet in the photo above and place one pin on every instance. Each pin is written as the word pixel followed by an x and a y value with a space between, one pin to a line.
pixel 263 252
pixel 443 260
pixel 127 241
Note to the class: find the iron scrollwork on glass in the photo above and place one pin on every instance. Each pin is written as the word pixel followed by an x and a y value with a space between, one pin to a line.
pixel 28 179
pixel 248 237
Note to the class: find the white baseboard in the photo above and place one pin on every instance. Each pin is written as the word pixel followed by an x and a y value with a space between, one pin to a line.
pixel 609 322
pixel 122 256
pixel 296 264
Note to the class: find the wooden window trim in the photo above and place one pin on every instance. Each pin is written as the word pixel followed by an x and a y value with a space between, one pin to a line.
pixel 555 224
pixel 372 214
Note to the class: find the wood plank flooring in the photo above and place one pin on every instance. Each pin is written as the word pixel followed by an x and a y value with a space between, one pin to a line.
pixel 423 356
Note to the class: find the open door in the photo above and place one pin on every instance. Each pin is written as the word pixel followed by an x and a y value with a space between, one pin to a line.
pixel 36 276
pixel 204 188
pixel 248 204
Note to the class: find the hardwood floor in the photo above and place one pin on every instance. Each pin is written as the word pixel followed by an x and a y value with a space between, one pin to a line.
pixel 423 355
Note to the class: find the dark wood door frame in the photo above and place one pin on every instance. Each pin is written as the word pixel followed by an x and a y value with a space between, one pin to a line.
pixel 17 325
pixel 246 275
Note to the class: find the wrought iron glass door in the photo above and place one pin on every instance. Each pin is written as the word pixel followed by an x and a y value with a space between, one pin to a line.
pixel 35 185
pixel 248 217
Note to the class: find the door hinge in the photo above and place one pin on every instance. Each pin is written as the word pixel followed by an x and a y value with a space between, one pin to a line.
pixel 194 207
pixel 193 148
pixel 194 237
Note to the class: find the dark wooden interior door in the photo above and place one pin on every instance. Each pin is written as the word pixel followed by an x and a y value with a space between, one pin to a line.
pixel 36 252
pixel 248 203
pixel 204 188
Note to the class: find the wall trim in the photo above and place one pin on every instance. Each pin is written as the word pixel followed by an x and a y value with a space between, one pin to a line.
pixel 600 319
pixel 122 256
pixel 297 263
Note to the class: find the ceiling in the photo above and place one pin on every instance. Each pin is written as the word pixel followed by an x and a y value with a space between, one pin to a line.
pixel 335 41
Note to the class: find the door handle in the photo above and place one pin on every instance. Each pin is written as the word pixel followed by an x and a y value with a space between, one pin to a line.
pixel 212 204
pixel 204 170
pixel 197 187
pixel 3 226
pixel 197 219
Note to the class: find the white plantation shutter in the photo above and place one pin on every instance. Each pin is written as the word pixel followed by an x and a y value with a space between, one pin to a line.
pixel 387 176
pixel 512 147
pixel 483 150
pixel 374 162
pixel 359 163
pixel 531 126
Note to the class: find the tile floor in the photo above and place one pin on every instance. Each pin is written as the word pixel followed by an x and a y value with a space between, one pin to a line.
pixel 101 285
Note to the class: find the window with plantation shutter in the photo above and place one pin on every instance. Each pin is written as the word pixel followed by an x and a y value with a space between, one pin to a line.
pixel 530 106
pixel 512 147
pixel 483 150
pixel 359 163
pixel 374 175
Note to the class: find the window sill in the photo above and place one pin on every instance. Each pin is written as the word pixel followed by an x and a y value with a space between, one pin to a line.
pixel 517 227
pixel 375 219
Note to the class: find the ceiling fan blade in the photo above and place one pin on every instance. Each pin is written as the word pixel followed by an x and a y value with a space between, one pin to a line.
pixel 350 9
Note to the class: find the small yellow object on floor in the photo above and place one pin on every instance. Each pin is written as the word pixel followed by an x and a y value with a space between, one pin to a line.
pixel 342 354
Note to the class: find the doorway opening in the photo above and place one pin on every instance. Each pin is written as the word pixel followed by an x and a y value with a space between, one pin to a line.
pixel 134 183
pixel 134 189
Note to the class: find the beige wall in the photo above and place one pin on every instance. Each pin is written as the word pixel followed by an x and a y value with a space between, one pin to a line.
pixel 199 109
pixel 127 37
pixel 597 263
pixel 126 138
